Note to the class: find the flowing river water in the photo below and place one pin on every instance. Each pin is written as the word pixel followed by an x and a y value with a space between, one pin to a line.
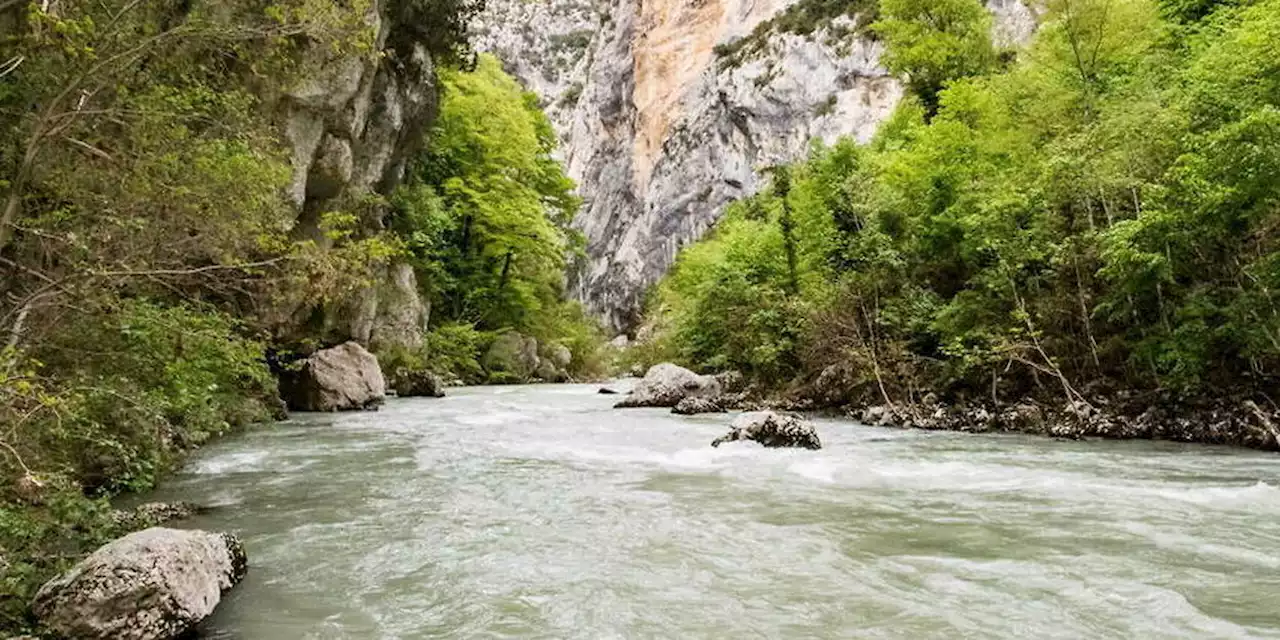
pixel 539 512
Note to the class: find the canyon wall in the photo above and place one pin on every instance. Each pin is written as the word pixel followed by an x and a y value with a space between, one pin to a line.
pixel 352 124
pixel 669 109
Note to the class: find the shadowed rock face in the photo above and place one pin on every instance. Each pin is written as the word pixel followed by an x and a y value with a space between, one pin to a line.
pixel 352 123
pixel 661 133
pixel 772 430
pixel 150 585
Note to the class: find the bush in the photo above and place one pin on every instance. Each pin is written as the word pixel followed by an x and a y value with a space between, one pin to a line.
pixel 112 398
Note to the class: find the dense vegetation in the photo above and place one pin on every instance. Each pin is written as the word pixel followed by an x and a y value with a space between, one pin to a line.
pixel 1100 213
pixel 150 258
pixel 485 213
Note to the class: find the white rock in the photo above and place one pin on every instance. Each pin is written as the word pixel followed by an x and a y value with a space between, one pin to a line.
pixel 150 585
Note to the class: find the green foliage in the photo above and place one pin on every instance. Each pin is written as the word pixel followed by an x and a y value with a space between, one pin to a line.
pixel 38 542
pixel 934 42
pixel 439 25
pixel 485 216
pixel 146 242
pixel 456 349
pixel 1104 209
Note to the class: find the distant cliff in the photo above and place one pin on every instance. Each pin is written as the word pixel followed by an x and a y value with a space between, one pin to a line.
pixel 668 109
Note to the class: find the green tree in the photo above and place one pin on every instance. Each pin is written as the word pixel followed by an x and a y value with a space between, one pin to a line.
pixel 493 203
pixel 933 42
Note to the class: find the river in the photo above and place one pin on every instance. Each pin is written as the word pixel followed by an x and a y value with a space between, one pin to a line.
pixel 539 512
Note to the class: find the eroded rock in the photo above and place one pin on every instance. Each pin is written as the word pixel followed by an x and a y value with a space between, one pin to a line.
pixel 149 585
pixel 772 430
pixel 342 378
pixel 666 384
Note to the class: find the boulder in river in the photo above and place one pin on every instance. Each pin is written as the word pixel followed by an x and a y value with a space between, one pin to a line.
pixel 606 391
pixel 417 384
pixel 693 406
pixel 149 585
pixel 771 430
pixel 342 378
pixel 666 384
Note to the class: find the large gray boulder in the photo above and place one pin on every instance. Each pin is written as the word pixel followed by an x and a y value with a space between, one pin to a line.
pixel 771 430
pixel 666 384
pixel 150 585
pixel 513 357
pixel 344 378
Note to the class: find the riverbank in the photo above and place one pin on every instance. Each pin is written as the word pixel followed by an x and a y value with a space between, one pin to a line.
pixel 1240 421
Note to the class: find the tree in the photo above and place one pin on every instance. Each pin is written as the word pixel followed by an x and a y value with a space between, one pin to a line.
pixel 495 200
pixel 933 42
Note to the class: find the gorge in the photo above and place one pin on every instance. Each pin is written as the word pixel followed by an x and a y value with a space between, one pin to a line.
pixel 1058 219
pixel 661 126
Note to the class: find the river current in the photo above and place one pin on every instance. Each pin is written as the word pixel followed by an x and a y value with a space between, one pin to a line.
pixel 540 512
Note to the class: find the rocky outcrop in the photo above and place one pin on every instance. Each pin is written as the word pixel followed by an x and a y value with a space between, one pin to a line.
pixel 662 127
pixel 343 378
pixel 558 355
pixel 352 122
pixel 150 585
pixel 666 384
pixel 695 406
pixel 513 357
pixel 772 430
pixel 1234 421
pixel 516 358
pixel 417 384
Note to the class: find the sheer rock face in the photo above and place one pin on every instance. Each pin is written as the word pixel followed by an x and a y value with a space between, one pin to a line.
pixel 150 585
pixel 352 124
pixel 661 133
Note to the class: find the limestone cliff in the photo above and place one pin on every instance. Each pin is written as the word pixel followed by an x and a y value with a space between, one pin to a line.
pixel 352 124
pixel 662 128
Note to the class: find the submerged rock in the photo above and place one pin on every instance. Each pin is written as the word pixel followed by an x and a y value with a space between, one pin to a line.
pixel 343 378
pixel 772 430
pixel 666 384
pixel 694 406
pixel 150 585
